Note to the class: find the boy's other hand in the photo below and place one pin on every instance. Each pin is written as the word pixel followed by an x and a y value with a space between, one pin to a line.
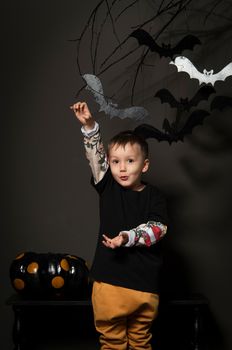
pixel 83 114
pixel 115 242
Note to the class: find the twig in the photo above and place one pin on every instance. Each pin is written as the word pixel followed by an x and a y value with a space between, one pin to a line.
pixel 112 21
pixel 125 9
pixel 99 35
pixel 212 9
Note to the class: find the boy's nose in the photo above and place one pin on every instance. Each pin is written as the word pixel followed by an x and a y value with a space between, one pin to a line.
pixel 122 167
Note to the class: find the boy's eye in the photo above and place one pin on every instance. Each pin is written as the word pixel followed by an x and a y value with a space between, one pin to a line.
pixel 115 161
pixel 130 160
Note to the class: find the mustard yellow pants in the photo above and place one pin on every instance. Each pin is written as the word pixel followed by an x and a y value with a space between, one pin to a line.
pixel 123 317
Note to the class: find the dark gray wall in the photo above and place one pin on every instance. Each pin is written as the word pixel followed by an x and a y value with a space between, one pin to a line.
pixel 46 201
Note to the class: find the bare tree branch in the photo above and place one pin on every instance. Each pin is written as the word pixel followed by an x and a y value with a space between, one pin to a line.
pixel 99 35
pixel 161 11
pixel 217 2
pixel 146 53
pixel 112 21
pixel 125 9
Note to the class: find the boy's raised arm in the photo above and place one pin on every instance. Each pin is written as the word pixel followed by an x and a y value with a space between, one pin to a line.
pixel 94 148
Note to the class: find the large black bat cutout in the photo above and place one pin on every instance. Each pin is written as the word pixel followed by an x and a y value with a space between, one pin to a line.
pixel 171 134
pixel 221 102
pixel 144 38
pixel 184 104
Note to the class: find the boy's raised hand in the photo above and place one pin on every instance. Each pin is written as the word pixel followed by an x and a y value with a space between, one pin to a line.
pixel 83 114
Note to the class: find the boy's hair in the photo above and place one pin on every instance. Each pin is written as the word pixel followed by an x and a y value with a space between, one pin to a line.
pixel 131 137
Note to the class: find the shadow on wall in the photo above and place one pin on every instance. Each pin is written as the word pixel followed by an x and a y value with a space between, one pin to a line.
pixel 176 276
pixel 195 255
pixel 212 146
pixel 175 328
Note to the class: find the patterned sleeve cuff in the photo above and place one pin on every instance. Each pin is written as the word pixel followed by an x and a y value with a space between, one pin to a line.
pixel 131 238
pixel 91 132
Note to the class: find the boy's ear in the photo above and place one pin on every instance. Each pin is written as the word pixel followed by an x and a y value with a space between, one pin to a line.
pixel 145 165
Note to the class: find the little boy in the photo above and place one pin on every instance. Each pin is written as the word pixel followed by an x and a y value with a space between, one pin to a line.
pixel 132 221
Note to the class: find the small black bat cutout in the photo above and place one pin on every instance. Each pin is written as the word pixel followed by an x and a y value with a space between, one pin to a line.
pixel 170 134
pixel 203 93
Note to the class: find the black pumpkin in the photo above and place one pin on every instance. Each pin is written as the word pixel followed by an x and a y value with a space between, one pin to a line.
pixel 49 274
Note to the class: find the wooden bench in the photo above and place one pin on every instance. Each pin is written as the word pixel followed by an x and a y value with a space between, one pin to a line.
pixel 194 304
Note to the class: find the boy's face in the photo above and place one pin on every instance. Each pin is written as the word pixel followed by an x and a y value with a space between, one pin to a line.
pixel 127 165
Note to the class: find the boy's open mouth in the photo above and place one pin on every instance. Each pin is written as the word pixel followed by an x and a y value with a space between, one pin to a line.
pixel 124 178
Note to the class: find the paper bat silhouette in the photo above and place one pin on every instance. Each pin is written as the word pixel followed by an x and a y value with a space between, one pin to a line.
pixel 144 38
pixel 183 64
pixel 171 135
pixel 110 108
pixel 221 102
pixel 184 104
